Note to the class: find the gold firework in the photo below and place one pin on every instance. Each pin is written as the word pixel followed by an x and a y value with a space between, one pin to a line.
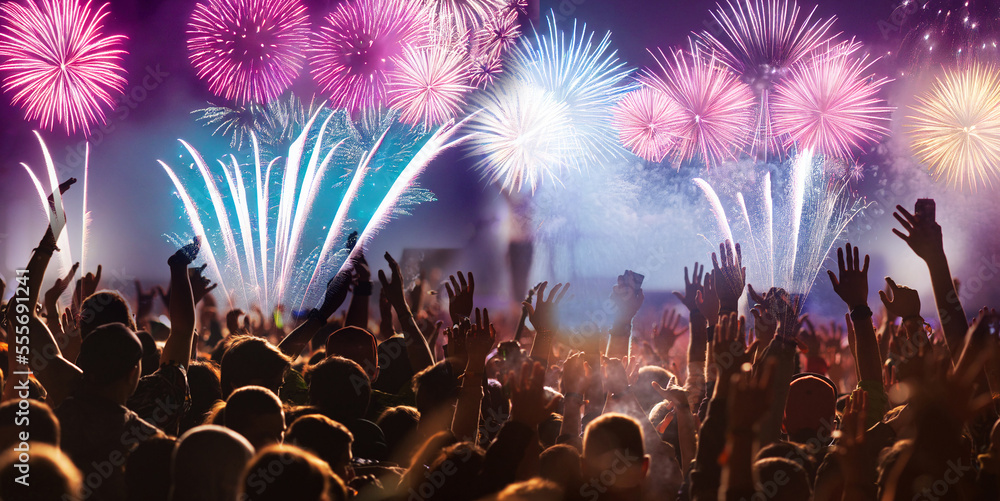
pixel 955 127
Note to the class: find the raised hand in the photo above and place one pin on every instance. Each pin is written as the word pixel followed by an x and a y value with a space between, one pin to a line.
pixel 729 347
pixel 187 254
pixel 393 286
pixel 852 283
pixel 691 288
pixel 144 299
pixel 904 301
pixel 480 338
pixel 576 375
pixel 200 284
pixel 850 449
pixel 85 286
pixel 336 291
pixel 460 296
pixel 667 332
pixel 730 276
pixel 750 396
pixel 708 299
pixel 615 376
pixel 923 236
pixel 527 396
pixel 56 291
pixel 544 315
pixel 627 298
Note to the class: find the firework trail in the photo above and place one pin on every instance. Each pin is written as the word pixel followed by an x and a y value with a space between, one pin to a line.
pixel 358 45
pixel 715 107
pixel 954 128
pixel 58 64
pixel 830 105
pixel 463 16
pixel 761 40
pixel 274 227
pixel 944 32
pixel 248 50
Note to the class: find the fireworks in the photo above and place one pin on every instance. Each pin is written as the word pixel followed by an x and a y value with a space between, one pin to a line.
pixel 761 40
pixel 714 106
pixel 499 33
pixel 583 74
pixel 945 32
pixel 429 84
pixel 463 15
pixel 358 44
pixel 830 105
pixel 955 127
pixel 644 119
pixel 523 135
pixel 248 50
pixel 275 229
pixel 57 62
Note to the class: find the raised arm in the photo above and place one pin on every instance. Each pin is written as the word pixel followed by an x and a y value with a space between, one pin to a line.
pixel 697 342
pixel 416 346
pixel 177 348
pixel 544 317
pixel 357 311
pixel 628 298
pixel 479 339
pixel 924 237
pixel 336 292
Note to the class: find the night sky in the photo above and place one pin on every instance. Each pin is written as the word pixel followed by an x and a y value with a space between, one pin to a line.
pixel 133 205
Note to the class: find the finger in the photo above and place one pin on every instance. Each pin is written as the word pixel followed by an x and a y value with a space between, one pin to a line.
pixel 383 280
pixel 686 281
pixel 867 260
pixel 553 292
pixel 527 306
pixel 447 288
pixel 833 279
pixel 840 260
pixel 97 277
pixel 472 283
pixel 715 262
pixel 757 298
pixel 906 238
pixel 540 295
pixel 479 319
pixel 679 296
pixel 461 280
pixel 699 272
pixel 892 284
pixel 906 224
pixel 909 217
pixel 561 294
pixel 211 288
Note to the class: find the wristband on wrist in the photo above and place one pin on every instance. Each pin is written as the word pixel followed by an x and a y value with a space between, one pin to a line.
pixel 572 394
pixel 861 312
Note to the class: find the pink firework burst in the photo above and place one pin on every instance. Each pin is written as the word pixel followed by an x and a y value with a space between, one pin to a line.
pixel 714 106
pixel 58 63
pixel 429 84
pixel 484 68
pixel 830 104
pixel 498 33
pixel 248 50
pixel 761 40
pixel 644 119
pixel 463 16
pixel 358 45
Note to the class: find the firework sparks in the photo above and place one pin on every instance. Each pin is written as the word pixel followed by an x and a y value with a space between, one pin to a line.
pixel 463 16
pixel 358 44
pixel 714 106
pixel 522 134
pixel 582 73
pixel 831 104
pixel 955 127
pixel 484 69
pixel 499 33
pixel 429 84
pixel 58 64
pixel 761 40
pixel 644 119
pixel 248 50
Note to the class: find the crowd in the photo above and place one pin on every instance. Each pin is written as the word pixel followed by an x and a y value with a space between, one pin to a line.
pixel 213 403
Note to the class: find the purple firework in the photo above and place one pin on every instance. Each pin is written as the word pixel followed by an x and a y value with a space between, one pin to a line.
pixel 359 43
pixel 248 50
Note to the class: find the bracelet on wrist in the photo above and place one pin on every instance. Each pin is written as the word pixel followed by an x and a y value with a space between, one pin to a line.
pixel 574 395
pixel 861 312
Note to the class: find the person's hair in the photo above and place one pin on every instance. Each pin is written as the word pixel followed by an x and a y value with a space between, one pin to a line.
pixel 435 387
pixel 302 477
pixel 110 354
pixel 324 437
pixel 394 369
pixel 535 489
pixel 790 450
pixel 102 308
pixel 53 476
pixel 644 391
pixel 794 484
pixel 398 425
pixel 357 344
pixel 251 360
pixel 150 353
pixel 340 388
pixel 548 430
pixel 208 463
pixel 459 465
pixel 246 405
pixel 561 464
pixel 147 470
pixel 206 390
pixel 42 425
pixel 887 461
pixel 612 432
